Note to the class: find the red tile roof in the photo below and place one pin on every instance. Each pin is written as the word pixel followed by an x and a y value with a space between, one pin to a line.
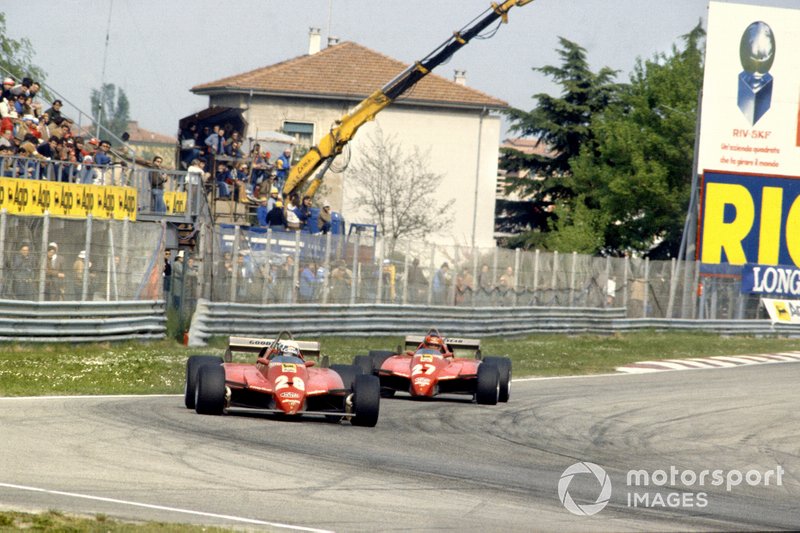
pixel 347 70
pixel 141 135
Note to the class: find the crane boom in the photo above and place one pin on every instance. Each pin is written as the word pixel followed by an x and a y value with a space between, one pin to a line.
pixel 321 156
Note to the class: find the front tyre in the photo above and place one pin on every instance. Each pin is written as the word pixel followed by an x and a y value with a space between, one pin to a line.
pixel 366 401
pixel 210 391
pixel 487 390
pixel 193 364
pixel 504 370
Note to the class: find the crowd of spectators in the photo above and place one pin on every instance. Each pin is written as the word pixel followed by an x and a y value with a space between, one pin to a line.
pixel 36 136
pixel 255 178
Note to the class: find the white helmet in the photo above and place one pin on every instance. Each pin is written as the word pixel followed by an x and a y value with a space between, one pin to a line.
pixel 290 348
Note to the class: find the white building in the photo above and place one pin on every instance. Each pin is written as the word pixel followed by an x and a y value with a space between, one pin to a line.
pixel 459 126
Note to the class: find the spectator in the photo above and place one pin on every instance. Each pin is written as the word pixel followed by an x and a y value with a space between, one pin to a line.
pixel 324 218
pixel 464 286
pixel 8 84
pixel 234 149
pixel 224 181
pixel 87 174
pixel 54 113
pixel 259 163
pixel 303 212
pixel 290 212
pixel 273 198
pixel 341 282
pixel 196 177
pixel 190 143
pixel 23 272
pixel 157 180
pixel 54 274
pixel 308 282
pixel 262 212
pixel 101 157
pixel 441 282
pixel 283 165
pixel 80 264
pixel 417 283
pixel 485 285
pixel 275 217
pixel 216 141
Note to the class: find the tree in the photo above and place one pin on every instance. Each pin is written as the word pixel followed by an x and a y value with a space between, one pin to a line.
pixel 636 175
pixel 111 107
pixel 16 56
pixel 397 191
pixel 563 125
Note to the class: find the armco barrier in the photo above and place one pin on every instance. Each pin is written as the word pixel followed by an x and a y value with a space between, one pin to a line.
pixel 24 321
pixel 223 319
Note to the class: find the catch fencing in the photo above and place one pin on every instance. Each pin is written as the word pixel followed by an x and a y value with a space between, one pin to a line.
pixel 276 267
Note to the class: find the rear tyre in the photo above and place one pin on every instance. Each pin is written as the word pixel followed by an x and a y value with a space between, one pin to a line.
pixel 193 364
pixel 348 374
pixel 210 391
pixel 504 370
pixel 487 389
pixel 381 353
pixel 366 401
pixel 364 362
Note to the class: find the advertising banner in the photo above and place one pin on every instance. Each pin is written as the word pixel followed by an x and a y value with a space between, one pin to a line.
pixel 786 311
pixel 749 150
pixel 33 198
pixel 751 91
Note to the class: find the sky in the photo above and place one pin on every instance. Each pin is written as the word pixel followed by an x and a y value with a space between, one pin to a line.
pixel 156 50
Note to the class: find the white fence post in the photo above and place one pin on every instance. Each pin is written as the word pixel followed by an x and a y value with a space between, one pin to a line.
pixel 379 284
pixel 517 258
pixel 296 271
pixel 43 263
pixel 536 277
pixel 646 295
pixel 87 247
pixel 572 275
pixel 432 274
pixel 405 273
pixel 354 285
pixel 234 263
pixel 327 282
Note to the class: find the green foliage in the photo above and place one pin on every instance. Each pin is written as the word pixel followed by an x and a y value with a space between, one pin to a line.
pixel 637 173
pixel 562 125
pixel 16 56
pixel 112 108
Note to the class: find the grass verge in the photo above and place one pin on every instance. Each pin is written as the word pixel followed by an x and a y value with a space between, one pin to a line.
pixel 158 367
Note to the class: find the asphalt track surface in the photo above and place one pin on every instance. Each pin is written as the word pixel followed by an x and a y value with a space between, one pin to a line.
pixel 428 465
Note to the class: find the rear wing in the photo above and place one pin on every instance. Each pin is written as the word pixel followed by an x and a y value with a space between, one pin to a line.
pixel 255 345
pixel 412 341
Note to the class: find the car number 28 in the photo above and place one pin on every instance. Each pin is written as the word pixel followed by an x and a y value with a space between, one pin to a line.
pixel 282 382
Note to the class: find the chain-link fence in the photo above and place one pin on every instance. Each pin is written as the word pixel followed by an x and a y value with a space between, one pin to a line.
pixel 258 266
pixel 58 259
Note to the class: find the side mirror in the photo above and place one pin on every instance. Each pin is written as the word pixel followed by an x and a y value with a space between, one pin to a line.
pixel 310 363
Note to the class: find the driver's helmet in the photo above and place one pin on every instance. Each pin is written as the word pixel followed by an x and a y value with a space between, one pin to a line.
pixel 290 348
pixel 433 341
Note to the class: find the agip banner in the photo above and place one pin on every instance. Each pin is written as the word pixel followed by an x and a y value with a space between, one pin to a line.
pixel 32 197
pixel 750 137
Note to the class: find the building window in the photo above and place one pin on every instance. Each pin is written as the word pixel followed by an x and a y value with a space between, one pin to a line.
pixel 302 131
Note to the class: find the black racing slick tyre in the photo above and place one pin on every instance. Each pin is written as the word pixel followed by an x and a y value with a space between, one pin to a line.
pixel 487 389
pixel 366 401
pixel 504 371
pixel 364 362
pixel 193 364
pixel 348 374
pixel 210 391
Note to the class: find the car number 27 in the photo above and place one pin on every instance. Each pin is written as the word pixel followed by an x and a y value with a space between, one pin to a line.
pixel 425 368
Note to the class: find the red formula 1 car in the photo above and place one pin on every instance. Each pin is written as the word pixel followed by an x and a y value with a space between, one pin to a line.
pixel 429 367
pixel 282 380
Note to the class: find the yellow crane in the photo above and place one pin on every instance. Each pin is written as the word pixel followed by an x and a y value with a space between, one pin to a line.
pixel 319 158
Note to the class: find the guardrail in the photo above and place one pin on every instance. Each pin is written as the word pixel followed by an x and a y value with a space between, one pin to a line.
pixel 24 321
pixel 222 319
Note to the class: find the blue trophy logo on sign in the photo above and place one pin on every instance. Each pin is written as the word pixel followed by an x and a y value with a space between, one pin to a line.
pixel 757 53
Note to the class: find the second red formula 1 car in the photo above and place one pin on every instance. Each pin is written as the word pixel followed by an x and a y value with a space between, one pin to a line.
pixel 430 367
pixel 283 380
